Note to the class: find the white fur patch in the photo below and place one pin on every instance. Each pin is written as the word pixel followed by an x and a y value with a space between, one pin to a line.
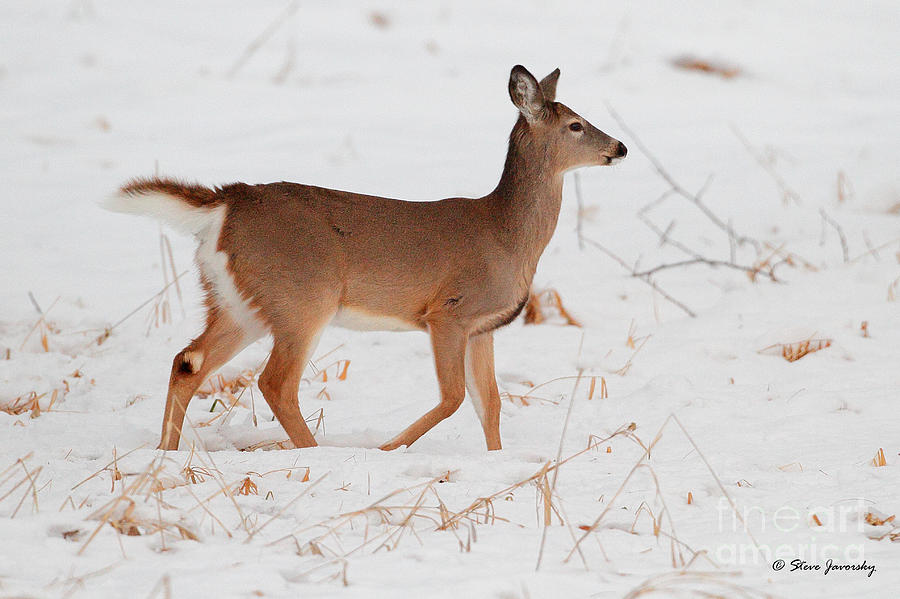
pixel 360 320
pixel 194 359
pixel 172 210
pixel 206 225
pixel 214 265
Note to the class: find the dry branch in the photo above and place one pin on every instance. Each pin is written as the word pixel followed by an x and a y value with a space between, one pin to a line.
pixel 788 193
pixel 646 279
pixel 760 268
pixel 263 37
pixel 678 189
pixel 840 231
pixel 580 215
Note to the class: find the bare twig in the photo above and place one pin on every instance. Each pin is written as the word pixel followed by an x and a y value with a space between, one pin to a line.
pixel 580 216
pixel 646 278
pixel 263 37
pixel 874 250
pixel 844 187
pixel 788 193
pixel 694 198
pixel 696 258
pixel 35 304
pixel 701 260
pixel 840 232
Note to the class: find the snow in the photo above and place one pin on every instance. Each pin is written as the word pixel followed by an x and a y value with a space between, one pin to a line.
pixel 413 104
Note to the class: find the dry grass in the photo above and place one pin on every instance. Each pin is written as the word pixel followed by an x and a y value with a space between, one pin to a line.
pixel 877 519
pixel 10 483
pixel 677 547
pixel 385 523
pixel 231 387
pixel 526 399
pixel 482 509
pixel 36 403
pixel 893 288
pixel 162 309
pixel 546 304
pixel 707 66
pixel 381 525
pixel 317 420
pixel 131 512
pixel 248 487
pixel 228 392
pixel 42 326
pixel 844 188
pixel 887 525
pixel 604 392
pixel 30 402
pixel 339 370
pixel 794 350
pixel 627 366
pixel 685 583
pixel 194 474
pixel 788 258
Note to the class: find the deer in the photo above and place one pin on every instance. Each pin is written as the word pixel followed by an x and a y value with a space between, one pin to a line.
pixel 287 260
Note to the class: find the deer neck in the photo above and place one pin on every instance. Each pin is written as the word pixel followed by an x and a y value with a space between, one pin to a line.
pixel 527 199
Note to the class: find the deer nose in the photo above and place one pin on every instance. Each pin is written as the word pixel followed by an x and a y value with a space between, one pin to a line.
pixel 622 150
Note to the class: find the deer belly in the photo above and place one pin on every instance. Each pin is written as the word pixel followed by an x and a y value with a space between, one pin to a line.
pixel 360 320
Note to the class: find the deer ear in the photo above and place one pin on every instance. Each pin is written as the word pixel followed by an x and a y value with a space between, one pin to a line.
pixel 526 94
pixel 548 85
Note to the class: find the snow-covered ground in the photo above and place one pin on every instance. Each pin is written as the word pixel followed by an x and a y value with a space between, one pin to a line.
pixel 410 101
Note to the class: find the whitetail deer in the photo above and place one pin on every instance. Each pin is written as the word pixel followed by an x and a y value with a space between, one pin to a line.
pixel 289 259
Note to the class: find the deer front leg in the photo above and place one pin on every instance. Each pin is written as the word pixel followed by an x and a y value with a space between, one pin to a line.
pixel 448 342
pixel 482 386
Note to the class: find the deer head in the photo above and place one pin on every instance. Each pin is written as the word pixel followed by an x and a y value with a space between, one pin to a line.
pixel 553 131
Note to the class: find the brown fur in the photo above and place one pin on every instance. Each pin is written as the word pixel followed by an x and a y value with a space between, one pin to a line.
pixel 458 268
pixel 195 195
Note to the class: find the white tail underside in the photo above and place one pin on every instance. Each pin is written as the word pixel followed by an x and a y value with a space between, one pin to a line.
pixel 172 210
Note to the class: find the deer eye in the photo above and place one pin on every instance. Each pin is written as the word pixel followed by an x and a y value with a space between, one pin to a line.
pixel 576 126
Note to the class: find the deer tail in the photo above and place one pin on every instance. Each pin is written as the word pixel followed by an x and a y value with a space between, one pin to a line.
pixel 187 207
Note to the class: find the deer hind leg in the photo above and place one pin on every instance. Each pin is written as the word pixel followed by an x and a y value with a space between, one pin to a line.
pixel 221 341
pixel 448 343
pixel 280 381
pixel 482 386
